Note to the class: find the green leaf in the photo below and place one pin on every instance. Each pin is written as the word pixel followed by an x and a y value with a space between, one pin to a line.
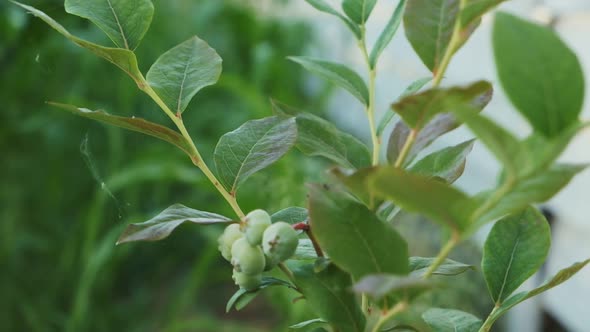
pixel 507 148
pixel 429 26
pixel 305 251
pixel 410 90
pixel 450 320
pixel 561 277
pixel 378 286
pixel 536 189
pixel 419 265
pixel 125 22
pixel 318 137
pixel 328 294
pixel 474 10
pixel 515 249
pixel 291 215
pixel 338 74
pixel 252 147
pixel 358 10
pixel 182 71
pixel 307 323
pixel 446 164
pixel 323 6
pixel 415 193
pixel 353 237
pixel 417 110
pixel 356 183
pixel 242 297
pixel 387 34
pixel 122 58
pixel 160 226
pixel 549 90
pixel 133 124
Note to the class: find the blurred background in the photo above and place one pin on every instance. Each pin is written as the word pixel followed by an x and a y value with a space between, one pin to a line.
pixel 68 186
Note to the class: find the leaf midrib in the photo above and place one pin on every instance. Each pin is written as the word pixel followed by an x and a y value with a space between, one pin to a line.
pixel 118 24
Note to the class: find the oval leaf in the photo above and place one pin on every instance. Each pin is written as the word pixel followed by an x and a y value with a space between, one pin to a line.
pixel 514 250
pixel 338 74
pixel 182 71
pixel 446 164
pixel 353 237
pixel 133 124
pixel 124 21
pixel 122 58
pixel 328 294
pixel 429 26
pixel 419 265
pixel 160 226
pixel 450 320
pixel 252 147
pixel 549 89
pixel 358 10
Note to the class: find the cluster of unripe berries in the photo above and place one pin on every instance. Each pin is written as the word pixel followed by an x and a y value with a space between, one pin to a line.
pixel 256 245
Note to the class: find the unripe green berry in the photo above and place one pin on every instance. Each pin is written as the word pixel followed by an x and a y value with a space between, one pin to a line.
pixel 246 258
pixel 227 239
pixel 256 222
pixel 247 282
pixel 279 242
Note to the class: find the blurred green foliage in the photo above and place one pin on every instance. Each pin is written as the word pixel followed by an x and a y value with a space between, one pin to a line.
pixel 64 203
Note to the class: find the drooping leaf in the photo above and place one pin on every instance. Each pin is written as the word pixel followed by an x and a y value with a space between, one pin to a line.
pixel 436 200
pixel 379 285
pixel 536 189
pixel 182 71
pixel 122 58
pixel 387 33
pixel 125 22
pixel 515 249
pixel 318 137
pixel 252 147
pixel 307 323
pixel 429 26
pixel 561 277
pixel 410 90
pixel 549 90
pixel 417 110
pixel 419 265
pixel 450 320
pixel 160 226
pixel 338 74
pixel 358 10
pixel 291 215
pixel 328 295
pixel 323 6
pixel 446 164
pixel 133 124
pixel 353 237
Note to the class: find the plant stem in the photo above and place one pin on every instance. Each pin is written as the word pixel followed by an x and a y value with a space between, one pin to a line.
pixel 487 325
pixel 401 306
pixel 314 242
pixel 287 272
pixel 442 255
pixel 194 155
pixel 376 140
pixel 453 46
pixel 399 162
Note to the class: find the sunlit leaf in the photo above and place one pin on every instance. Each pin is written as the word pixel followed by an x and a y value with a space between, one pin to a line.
pixel 182 71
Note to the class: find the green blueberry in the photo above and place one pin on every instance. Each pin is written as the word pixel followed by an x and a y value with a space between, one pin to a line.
pixel 246 258
pixel 227 239
pixel 245 281
pixel 279 242
pixel 256 222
